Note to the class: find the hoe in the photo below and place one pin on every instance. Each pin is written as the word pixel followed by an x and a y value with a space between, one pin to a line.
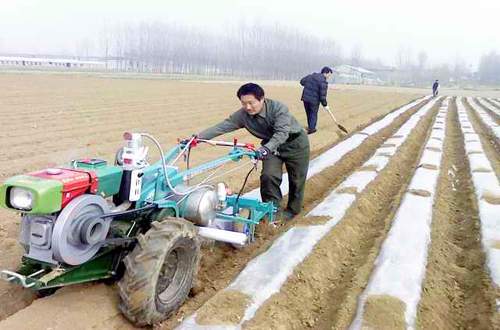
pixel 137 223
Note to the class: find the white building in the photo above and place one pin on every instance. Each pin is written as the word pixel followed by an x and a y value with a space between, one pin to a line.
pixel 24 61
pixel 348 74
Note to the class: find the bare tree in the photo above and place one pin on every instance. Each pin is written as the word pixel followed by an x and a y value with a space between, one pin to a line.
pixel 84 47
pixel 460 70
pixel 489 68
pixel 404 58
pixel 356 55
pixel 422 60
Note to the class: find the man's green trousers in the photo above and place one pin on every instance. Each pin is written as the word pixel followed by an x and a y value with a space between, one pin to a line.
pixel 294 154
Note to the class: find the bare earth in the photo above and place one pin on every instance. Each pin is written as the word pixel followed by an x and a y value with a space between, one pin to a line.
pixel 50 119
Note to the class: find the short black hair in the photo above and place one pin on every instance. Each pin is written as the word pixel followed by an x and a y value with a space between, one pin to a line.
pixel 326 70
pixel 251 89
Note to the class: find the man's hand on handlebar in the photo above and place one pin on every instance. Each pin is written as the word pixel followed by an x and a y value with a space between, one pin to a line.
pixel 192 141
pixel 262 153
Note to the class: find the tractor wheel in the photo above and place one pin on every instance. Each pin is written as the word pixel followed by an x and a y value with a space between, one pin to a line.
pixel 159 272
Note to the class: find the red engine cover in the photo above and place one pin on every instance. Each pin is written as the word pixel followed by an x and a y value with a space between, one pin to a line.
pixel 75 181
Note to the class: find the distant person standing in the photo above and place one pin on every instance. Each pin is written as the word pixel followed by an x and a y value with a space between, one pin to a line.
pixel 435 87
pixel 314 93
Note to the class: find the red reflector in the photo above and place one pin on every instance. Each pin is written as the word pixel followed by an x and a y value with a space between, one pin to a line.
pixel 127 136
pixel 127 161
pixel 250 146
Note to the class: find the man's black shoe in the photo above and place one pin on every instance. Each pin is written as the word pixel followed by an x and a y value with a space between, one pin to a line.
pixel 282 217
pixel 311 131
pixel 285 215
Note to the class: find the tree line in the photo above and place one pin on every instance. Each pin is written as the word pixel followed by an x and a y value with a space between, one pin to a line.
pixel 489 69
pixel 249 50
pixel 266 51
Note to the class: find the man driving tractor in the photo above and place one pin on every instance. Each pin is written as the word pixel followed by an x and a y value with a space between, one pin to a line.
pixel 283 142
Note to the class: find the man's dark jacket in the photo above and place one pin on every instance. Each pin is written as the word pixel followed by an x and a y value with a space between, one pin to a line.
pixel 315 89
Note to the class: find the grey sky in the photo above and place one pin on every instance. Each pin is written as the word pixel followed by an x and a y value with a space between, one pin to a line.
pixel 445 29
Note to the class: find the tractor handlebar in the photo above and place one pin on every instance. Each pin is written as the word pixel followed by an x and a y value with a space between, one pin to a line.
pixel 194 141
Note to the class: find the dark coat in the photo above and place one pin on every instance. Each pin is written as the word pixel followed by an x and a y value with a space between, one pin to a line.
pixel 315 89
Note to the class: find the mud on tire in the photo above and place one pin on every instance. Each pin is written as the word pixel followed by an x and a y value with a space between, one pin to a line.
pixel 160 271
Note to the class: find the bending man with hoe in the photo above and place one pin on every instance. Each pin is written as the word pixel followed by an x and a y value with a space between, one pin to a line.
pixel 314 93
pixel 283 142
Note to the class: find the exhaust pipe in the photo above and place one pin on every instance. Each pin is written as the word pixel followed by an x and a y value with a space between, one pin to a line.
pixel 223 235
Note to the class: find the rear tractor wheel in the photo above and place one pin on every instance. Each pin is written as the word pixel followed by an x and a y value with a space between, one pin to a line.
pixel 159 272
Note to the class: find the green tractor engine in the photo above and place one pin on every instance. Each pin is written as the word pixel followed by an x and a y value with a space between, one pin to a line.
pixel 48 200
pixel 132 221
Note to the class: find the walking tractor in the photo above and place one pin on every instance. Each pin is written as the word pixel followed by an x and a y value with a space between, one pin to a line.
pixel 134 222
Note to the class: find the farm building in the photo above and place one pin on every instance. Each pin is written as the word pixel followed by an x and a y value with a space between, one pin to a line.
pixel 348 74
pixel 24 61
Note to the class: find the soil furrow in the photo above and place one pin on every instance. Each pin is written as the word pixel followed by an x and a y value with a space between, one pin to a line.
pixel 322 293
pixel 490 143
pixel 100 121
pixel 494 115
pixel 162 123
pixel 457 290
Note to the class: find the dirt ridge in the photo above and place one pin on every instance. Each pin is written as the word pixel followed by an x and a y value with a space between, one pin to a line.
pixel 456 292
pixel 337 270
pixel 490 143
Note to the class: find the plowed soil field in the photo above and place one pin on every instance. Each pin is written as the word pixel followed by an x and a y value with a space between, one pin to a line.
pixel 50 119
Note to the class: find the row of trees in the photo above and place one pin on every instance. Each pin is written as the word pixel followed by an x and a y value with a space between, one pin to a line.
pixel 258 50
pixel 489 69
pixel 250 50
pixel 457 72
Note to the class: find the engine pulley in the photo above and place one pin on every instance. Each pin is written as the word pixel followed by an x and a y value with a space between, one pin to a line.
pixel 79 229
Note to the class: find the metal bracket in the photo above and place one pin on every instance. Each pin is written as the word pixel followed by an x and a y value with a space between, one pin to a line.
pixel 128 212
pixel 118 241
pixel 11 276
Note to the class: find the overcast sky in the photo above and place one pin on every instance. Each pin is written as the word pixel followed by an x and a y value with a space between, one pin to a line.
pixel 444 29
